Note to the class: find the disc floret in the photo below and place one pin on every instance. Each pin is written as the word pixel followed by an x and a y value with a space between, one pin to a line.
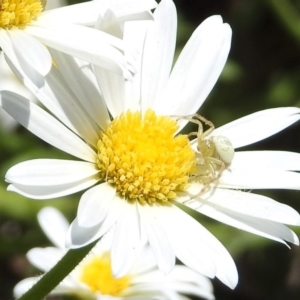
pixel 143 159
pixel 18 13
pixel 97 275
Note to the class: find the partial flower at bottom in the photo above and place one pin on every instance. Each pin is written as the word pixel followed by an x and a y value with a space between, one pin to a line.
pixel 136 166
pixel 92 278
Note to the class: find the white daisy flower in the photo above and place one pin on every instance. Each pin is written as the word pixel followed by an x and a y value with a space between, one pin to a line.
pixel 92 278
pixel 25 29
pixel 138 169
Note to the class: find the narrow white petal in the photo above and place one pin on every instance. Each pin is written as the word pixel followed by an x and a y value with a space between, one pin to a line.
pixel 78 236
pixel 112 85
pixel 43 192
pixel 82 82
pixel 197 68
pixel 113 88
pixel 62 102
pixel 157 238
pixel 94 205
pixel 127 241
pixel 253 205
pixel 259 125
pixel 69 108
pixel 24 285
pixel 54 225
pixel 158 53
pixel 109 24
pixel 281 160
pixel 134 34
pixel 148 291
pixel 185 274
pixel 43 125
pixel 30 52
pixel 269 229
pixel 87 13
pixel 45 258
pixel 259 179
pixel 181 279
pixel 144 264
pixel 25 72
pixel 79 41
pixel 196 247
pixel 48 172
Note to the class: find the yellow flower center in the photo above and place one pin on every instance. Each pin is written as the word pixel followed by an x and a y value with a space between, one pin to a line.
pixel 97 275
pixel 18 13
pixel 143 159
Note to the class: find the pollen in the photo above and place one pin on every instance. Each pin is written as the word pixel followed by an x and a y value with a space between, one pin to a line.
pixel 143 159
pixel 97 275
pixel 18 13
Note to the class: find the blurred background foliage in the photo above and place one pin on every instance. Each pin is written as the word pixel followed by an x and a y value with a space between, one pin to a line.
pixel 263 71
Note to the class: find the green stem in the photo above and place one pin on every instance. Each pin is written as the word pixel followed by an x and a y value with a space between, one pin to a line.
pixel 52 278
pixel 288 15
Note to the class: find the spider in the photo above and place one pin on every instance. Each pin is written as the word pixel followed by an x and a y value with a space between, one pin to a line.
pixel 214 154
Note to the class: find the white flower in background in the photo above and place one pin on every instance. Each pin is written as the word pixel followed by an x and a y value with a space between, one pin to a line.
pixel 25 29
pixel 92 278
pixel 9 81
pixel 137 170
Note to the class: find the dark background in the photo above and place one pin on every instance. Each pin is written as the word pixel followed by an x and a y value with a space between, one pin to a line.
pixel 263 71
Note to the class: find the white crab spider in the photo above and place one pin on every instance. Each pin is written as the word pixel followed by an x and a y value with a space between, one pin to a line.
pixel 214 153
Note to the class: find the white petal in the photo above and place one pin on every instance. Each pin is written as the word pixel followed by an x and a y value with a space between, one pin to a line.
pixel 185 274
pixel 62 103
pixel 258 126
pixel 30 52
pixel 79 41
pixel 87 13
pixel 253 205
pixel 25 72
pixel 259 179
pixel 45 126
pixel 158 53
pixel 196 247
pixel 94 205
pixel 157 238
pixel 197 68
pixel 23 286
pixel 50 192
pixel 45 258
pixel 112 85
pixel 127 241
pixel 48 172
pixel 281 160
pixel 78 236
pixel 265 228
pixel 144 264
pixel 82 82
pixel 134 34
pixel 151 290
pixel 54 225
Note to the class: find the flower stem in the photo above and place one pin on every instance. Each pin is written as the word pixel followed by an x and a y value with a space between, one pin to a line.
pixel 52 278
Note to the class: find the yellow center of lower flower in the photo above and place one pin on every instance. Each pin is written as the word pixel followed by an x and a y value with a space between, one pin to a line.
pixel 18 13
pixel 143 159
pixel 97 275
